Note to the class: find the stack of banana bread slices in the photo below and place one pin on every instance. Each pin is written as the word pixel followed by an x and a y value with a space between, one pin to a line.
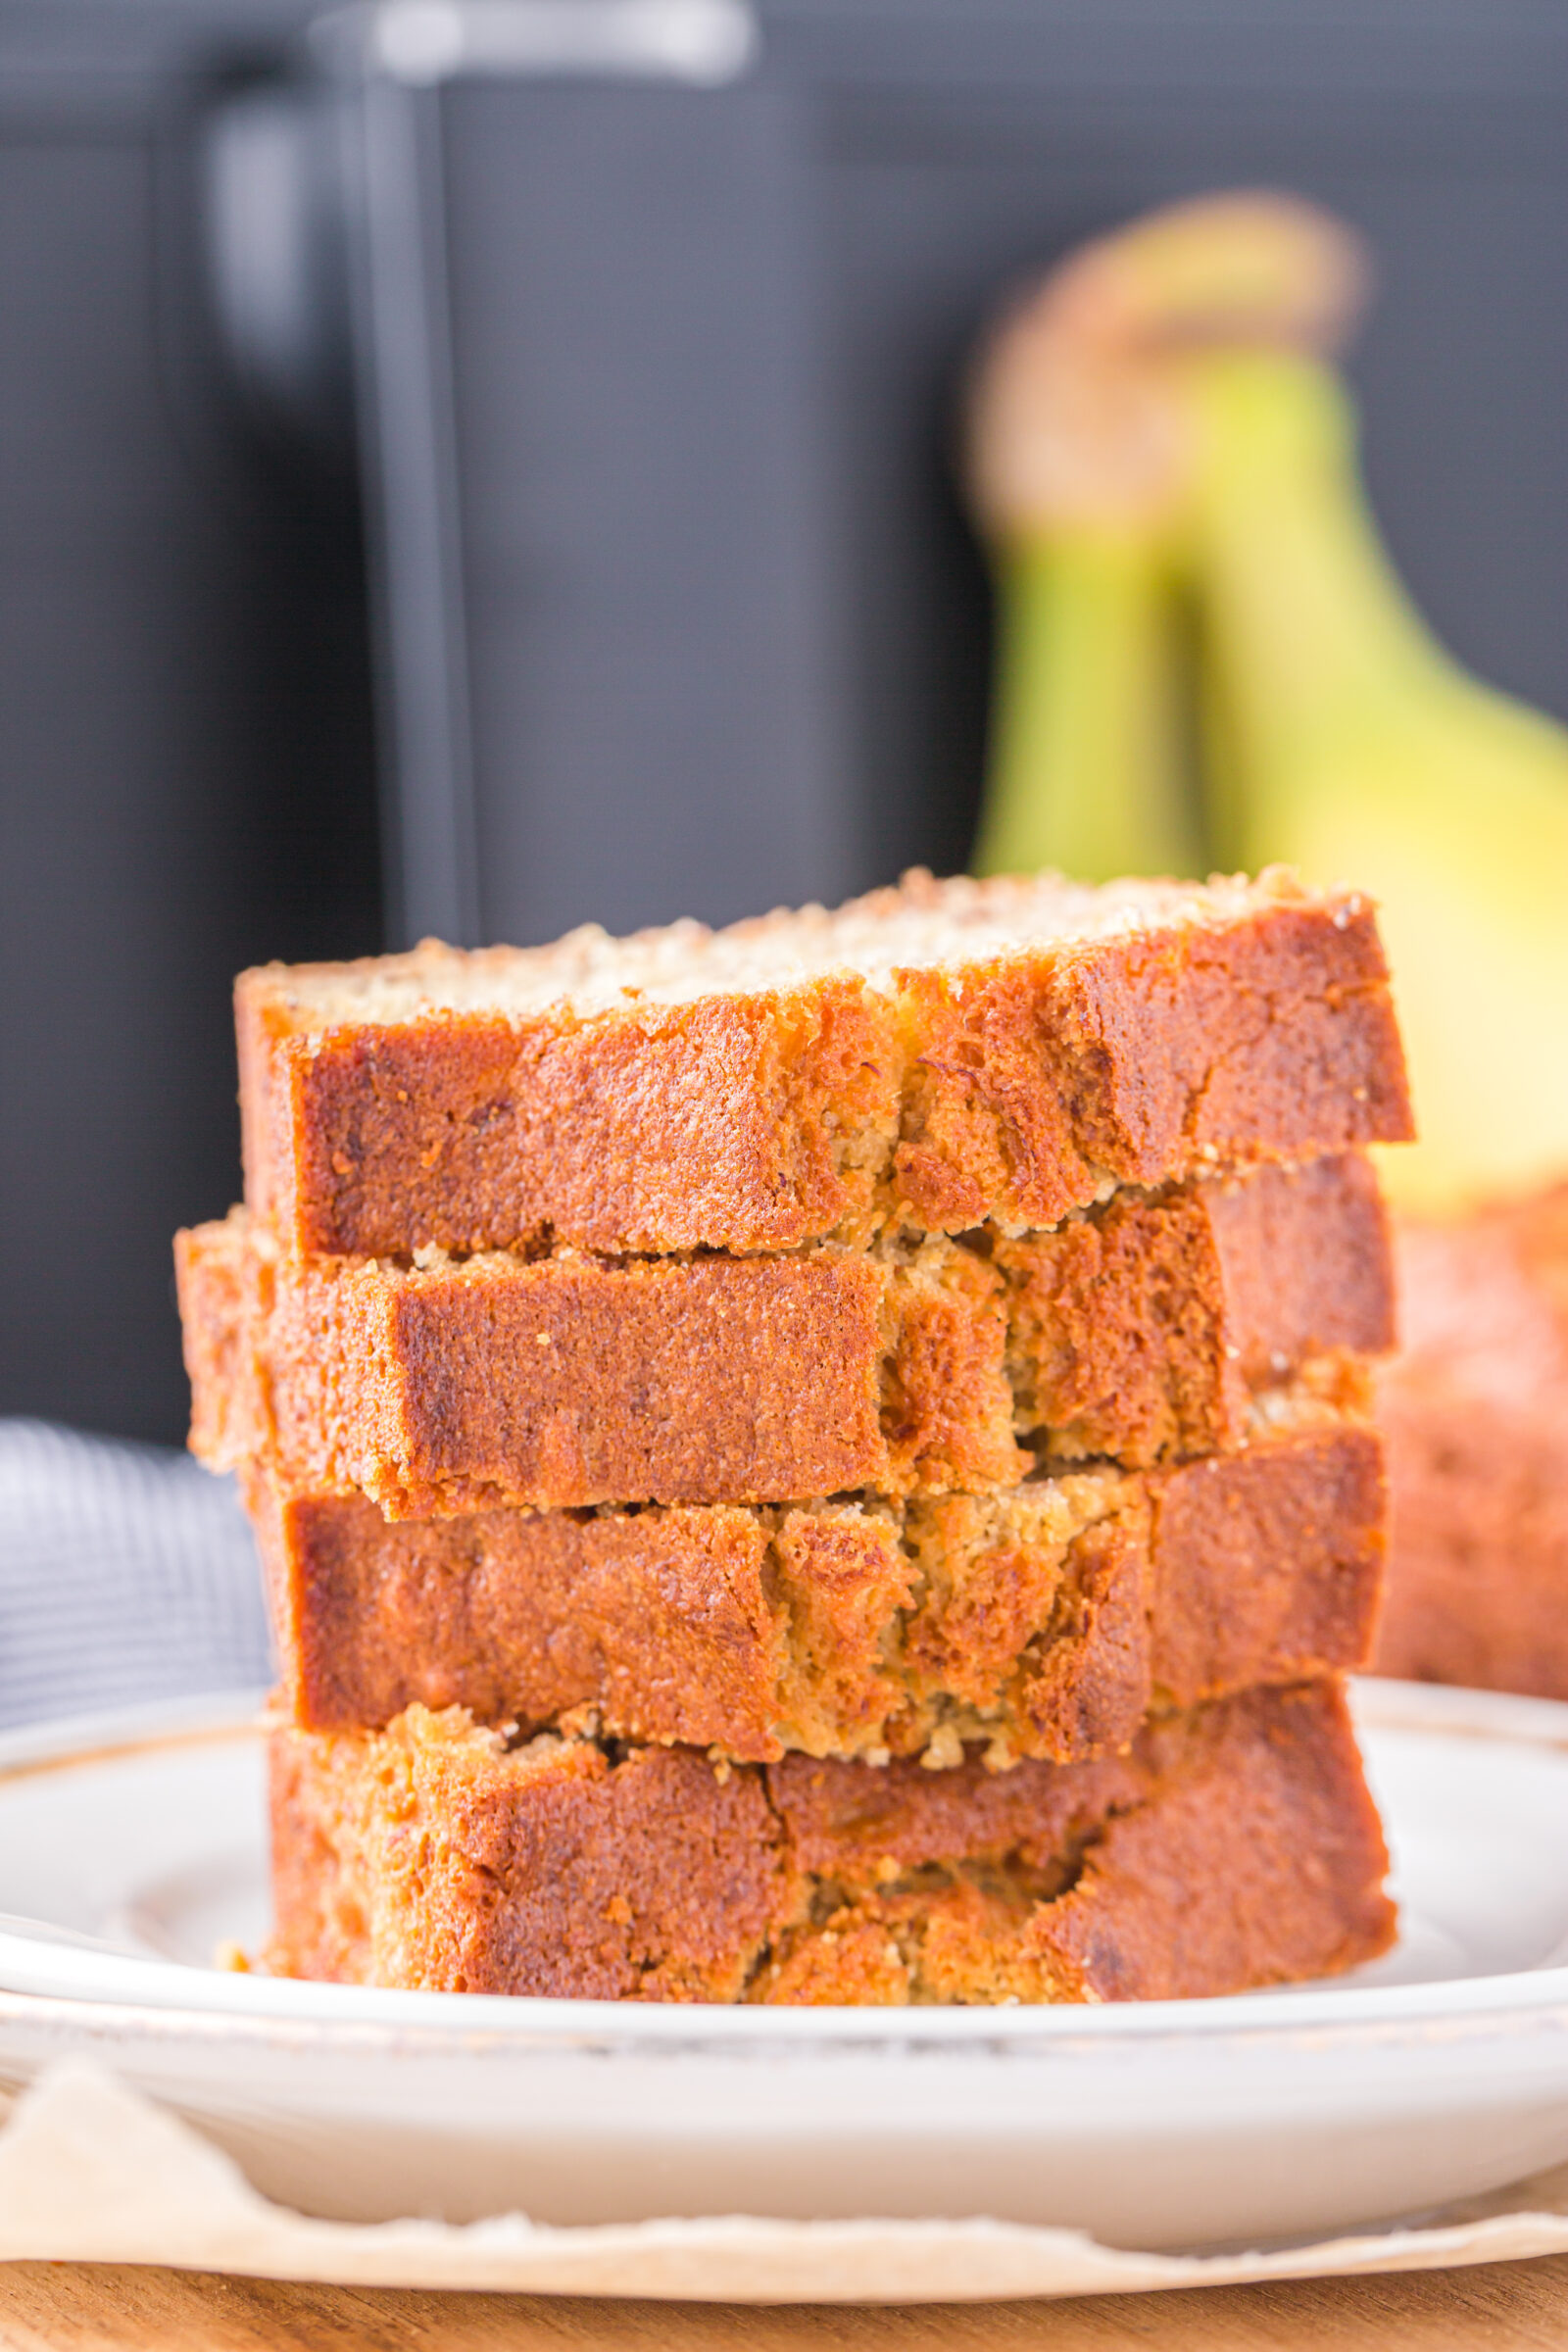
pixel 822 1462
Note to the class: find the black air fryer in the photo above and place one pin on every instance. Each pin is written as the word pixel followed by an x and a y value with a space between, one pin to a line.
pixel 186 762
pixel 665 309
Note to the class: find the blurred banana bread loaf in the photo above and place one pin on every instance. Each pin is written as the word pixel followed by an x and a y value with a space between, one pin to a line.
pixel 1475 1408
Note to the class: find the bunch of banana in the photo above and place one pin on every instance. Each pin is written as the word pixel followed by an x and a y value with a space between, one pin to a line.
pixel 1161 429
pixel 1073 465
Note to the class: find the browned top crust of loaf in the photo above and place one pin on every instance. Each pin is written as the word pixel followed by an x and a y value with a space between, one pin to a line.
pixel 1137 1330
pixel 932 1056
pixel 1233 1846
pixel 1476 1407
pixel 1044 1622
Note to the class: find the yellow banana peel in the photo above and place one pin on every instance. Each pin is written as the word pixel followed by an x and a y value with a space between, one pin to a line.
pixel 1360 751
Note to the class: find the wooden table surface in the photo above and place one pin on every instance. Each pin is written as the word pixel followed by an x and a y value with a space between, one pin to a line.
pixel 65 2307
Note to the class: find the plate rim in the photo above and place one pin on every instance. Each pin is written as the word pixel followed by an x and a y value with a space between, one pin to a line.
pixel 159 1998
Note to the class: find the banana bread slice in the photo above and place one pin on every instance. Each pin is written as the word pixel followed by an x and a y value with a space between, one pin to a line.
pixel 1043 1621
pixel 934 1055
pixel 1137 1330
pixel 1233 1846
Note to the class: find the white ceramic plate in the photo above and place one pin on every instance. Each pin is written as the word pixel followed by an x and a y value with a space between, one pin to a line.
pixel 130 1849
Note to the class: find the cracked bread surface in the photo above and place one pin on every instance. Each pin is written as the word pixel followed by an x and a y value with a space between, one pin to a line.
pixel 1234 1845
pixel 1044 1621
pixel 1137 1330
pixel 931 1056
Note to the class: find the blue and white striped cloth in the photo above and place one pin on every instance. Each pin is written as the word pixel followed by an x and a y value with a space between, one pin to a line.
pixel 126 1574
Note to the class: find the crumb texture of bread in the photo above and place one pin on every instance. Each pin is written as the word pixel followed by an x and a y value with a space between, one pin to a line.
pixel 1138 1330
pixel 1045 1622
pixel 929 1057
pixel 1475 1410
pixel 1235 1846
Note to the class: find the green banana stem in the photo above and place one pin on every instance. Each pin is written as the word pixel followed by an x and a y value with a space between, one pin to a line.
pixel 1312 624
pixel 1085 771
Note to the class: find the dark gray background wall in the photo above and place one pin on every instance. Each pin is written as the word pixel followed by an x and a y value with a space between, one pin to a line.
pixel 713 632
pixel 185 759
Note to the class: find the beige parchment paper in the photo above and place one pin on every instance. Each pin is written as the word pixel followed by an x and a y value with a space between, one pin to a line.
pixel 90 2171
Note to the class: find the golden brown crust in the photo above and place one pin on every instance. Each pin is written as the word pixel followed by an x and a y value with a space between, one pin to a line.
pixel 1140 1329
pixel 1476 1411
pixel 569 1382
pixel 1045 1620
pixel 1263 1866
pixel 1137 1331
pixel 1151 1058
pixel 1259 1557
pixel 429 1864
pixel 1205 1028
pixel 1234 1846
